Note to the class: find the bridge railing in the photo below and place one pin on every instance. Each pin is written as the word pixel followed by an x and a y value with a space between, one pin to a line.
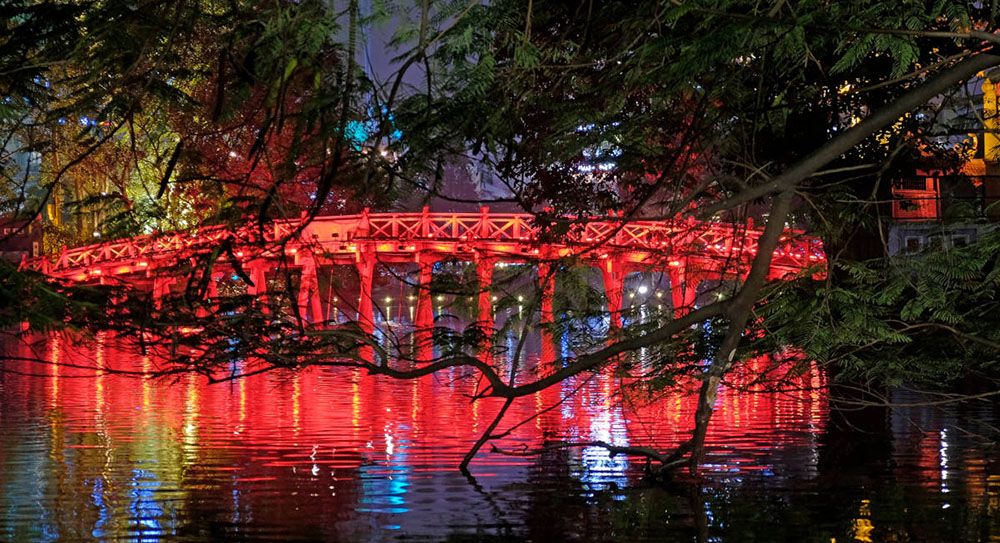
pixel 677 238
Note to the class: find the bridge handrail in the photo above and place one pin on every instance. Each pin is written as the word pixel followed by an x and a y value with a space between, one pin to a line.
pixel 675 235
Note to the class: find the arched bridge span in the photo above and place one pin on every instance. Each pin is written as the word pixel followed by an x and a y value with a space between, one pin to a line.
pixel 689 251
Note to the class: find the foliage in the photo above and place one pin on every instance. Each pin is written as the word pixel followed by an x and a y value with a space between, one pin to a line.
pixel 927 319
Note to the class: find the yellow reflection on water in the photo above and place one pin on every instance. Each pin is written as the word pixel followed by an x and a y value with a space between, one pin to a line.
pixel 55 357
pixel 190 425
pixel 296 403
pixel 862 527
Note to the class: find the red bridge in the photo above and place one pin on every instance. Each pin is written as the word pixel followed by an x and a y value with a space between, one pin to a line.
pixel 688 250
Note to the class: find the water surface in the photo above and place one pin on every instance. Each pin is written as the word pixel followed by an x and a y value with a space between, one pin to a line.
pixel 336 455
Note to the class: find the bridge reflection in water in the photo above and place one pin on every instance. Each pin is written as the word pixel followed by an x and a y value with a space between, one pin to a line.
pixel 334 454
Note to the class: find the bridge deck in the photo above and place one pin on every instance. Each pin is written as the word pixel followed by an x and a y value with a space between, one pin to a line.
pixel 718 249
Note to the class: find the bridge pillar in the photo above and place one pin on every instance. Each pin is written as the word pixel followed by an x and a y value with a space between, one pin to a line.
pixel 547 285
pixel 161 288
pixel 425 299
pixel 211 293
pixel 683 289
pixel 424 325
pixel 365 264
pixel 614 283
pixel 484 275
pixel 308 296
pixel 257 272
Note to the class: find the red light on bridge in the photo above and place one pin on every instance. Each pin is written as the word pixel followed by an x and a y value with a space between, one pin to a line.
pixel 496 237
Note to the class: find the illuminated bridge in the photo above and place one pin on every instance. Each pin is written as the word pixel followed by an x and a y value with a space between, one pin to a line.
pixel 688 250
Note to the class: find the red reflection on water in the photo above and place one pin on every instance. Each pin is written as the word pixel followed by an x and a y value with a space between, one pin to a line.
pixel 345 441
pixel 349 408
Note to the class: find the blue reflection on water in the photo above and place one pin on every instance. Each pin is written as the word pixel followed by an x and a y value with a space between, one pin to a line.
pixel 103 515
pixel 146 512
pixel 384 487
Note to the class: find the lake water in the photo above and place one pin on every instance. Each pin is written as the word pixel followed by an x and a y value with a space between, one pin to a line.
pixel 336 455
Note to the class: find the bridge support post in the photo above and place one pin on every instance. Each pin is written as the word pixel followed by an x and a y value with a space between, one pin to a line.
pixel 308 296
pixel 424 325
pixel 258 276
pixel 614 283
pixel 211 293
pixel 161 288
pixel 365 264
pixel 547 286
pixel 484 276
pixel 683 289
